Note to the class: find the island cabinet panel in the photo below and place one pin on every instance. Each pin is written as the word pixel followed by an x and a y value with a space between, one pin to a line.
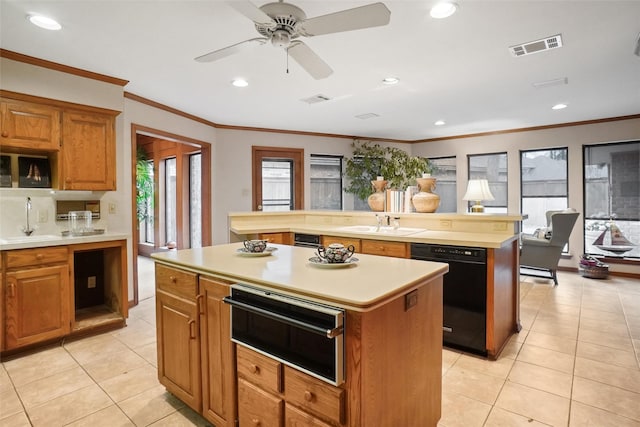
pixel 88 151
pixel 29 126
pixel 196 359
pixel 217 356
pixel 386 248
pixel 37 305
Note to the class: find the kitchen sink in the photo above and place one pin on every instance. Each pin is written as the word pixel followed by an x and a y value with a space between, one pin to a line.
pixel 27 239
pixel 372 229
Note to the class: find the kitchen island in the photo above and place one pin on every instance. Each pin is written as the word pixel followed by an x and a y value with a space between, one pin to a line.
pixel 392 338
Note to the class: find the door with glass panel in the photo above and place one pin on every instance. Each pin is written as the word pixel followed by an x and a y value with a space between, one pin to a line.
pixel 277 179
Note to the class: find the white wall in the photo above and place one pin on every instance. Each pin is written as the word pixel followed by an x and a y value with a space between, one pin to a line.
pixel 573 137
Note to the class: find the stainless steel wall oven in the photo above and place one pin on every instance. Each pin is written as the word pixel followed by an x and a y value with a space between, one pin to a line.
pixel 300 333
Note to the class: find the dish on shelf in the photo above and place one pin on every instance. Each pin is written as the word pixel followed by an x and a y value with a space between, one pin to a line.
pixel 321 263
pixel 245 252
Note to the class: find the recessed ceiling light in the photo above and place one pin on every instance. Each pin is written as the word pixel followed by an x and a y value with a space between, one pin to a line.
pixel 439 123
pixel 44 22
pixel 443 9
pixel 559 106
pixel 240 83
pixel 390 80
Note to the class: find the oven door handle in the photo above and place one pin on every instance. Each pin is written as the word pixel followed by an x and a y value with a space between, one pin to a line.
pixel 329 333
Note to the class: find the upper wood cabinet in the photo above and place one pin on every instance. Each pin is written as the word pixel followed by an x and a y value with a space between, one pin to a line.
pixel 88 153
pixel 29 126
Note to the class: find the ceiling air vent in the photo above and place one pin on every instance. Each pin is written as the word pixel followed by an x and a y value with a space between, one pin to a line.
pixel 366 116
pixel 541 45
pixel 315 99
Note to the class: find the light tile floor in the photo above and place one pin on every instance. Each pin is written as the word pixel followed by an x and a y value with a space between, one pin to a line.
pixel 575 363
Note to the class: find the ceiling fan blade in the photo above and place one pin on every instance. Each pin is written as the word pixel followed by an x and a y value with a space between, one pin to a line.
pixel 230 50
pixel 309 60
pixel 252 12
pixel 372 15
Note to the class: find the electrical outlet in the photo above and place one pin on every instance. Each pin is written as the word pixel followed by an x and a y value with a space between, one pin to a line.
pixel 410 299
pixel 112 208
pixel 91 282
pixel 445 223
pixel 499 226
pixel 43 215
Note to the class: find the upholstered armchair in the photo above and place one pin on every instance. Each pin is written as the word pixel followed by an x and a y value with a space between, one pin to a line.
pixel 540 253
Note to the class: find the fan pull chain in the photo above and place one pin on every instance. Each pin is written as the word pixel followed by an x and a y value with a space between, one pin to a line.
pixel 287 61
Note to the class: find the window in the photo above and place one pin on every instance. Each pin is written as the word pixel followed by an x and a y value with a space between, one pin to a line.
pixel 612 199
pixel 170 200
pixel 444 170
pixel 145 214
pixel 195 200
pixel 277 187
pixel 326 182
pixel 543 177
pixel 493 168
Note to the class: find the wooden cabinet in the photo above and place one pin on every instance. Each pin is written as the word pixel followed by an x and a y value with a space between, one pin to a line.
pixel 78 140
pixel 386 248
pixel 36 296
pixel 346 241
pixel 195 354
pixel 88 151
pixel 277 238
pixel 29 126
pixel 271 394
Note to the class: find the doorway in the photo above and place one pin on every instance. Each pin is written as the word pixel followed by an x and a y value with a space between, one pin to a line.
pixel 171 192
pixel 278 178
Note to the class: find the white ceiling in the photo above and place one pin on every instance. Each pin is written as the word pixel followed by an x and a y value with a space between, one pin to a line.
pixel 457 69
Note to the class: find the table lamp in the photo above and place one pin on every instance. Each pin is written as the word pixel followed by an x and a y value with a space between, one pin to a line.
pixel 478 190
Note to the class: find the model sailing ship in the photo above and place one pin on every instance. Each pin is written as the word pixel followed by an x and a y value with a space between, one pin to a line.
pixel 615 242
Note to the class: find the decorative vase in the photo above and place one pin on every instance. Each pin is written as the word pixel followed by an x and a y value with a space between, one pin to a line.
pixel 376 200
pixel 425 200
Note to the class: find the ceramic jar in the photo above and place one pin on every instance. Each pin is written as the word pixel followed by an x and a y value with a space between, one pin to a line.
pixel 425 200
pixel 376 200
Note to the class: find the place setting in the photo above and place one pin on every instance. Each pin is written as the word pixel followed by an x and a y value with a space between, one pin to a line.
pixel 256 248
pixel 334 256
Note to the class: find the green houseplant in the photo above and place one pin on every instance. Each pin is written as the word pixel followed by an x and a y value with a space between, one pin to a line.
pixel 144 186
pixel 371 160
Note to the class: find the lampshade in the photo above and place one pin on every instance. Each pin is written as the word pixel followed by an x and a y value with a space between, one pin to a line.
pixel 478 190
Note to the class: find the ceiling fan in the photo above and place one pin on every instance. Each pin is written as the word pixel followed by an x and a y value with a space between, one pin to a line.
pixel 283 23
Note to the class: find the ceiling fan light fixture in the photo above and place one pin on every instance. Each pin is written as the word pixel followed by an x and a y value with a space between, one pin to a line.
pixel 281 38
pixel 390 80
pixel 443 9
pixel 44 22
pixel 239 82
pixel 559 106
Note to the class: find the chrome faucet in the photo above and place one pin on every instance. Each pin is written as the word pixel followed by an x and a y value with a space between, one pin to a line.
pixel 28 230
pixel 379 222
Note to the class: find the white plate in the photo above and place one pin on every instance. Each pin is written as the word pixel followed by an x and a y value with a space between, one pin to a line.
pixel 320 263
pixel 266 252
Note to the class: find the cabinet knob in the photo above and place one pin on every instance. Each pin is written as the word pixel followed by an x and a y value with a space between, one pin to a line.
pixel 173 279
pixel 39 257
pixel 308 396
pixel 68 180
pixel 5 134
pixel 255 422
pixel 255 369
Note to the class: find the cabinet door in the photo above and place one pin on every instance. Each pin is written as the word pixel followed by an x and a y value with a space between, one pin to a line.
pixel 385 248
pixel 258 408
pixel 37 305
pixel 179 348
pixel 294 417
pixel 218 374
pixel 88 151
pixel 29 126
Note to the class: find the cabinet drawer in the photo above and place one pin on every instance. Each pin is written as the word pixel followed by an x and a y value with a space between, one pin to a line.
pixel 257 408
pixel 294 417
pixel 279 238
pixel 314 396
pixel 346 241
pixel 36 256
pixel 259 369
pixel 379 247
pixel 177 282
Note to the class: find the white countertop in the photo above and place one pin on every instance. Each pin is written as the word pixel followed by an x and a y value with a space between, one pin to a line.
pixel 370 282
pixel 40 241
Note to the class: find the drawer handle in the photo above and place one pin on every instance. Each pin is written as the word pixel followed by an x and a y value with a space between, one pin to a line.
pixel 5 134
pixel 256 422
pixel 12 290
pixel 39 257
pixel 173 279
pixel 308 396
pixel 255 369
pixel 192 334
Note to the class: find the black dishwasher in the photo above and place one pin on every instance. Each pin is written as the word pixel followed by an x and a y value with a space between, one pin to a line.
pixel 464 294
